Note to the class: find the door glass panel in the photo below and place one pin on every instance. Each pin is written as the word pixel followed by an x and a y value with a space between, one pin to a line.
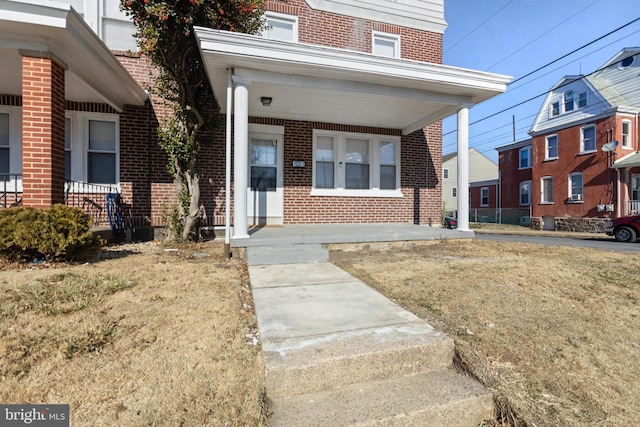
pixel 635 187
pixel 324 162
pixel 264 161
pixel 357 164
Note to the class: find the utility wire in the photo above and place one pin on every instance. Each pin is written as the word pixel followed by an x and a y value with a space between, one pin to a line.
pixel 478 26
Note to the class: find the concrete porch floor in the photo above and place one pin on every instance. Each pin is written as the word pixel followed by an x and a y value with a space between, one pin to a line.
pixel 296 234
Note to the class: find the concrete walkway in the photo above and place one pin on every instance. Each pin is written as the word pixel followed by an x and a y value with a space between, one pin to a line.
pixel 338 353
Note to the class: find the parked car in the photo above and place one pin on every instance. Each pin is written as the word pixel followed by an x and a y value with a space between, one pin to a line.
pixel 450 222
pixel 624 229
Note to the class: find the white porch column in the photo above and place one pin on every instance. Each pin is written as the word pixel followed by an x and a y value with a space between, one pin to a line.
pixel 463 169
pixel 240 157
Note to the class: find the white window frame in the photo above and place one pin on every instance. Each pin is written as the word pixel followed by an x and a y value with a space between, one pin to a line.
pixel 595 139
pixel 528 151
pixel 80 150
pixel 520 193
pixel 626 138
pixel 571 103
pixel 454 191
pixel 554 108
pixel 549 200
pixel 546 147
pixel 339 141
pixel 15 138
pixel 284 18
pixel 445 173
pixel 393 38
pixel 577 100
pixel 579 196
pixel 483 196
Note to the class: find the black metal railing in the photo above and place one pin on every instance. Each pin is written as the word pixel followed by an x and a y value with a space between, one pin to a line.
pixel 10 190
pixel 91 198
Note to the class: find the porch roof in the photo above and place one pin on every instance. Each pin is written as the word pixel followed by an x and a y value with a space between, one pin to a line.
pixel 632 160
pixel 322 84
pixel 55 30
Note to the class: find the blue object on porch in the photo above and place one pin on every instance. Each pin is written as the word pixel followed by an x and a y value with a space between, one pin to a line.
pixel 114 213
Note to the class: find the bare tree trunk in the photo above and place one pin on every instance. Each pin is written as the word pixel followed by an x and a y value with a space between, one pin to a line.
pixel 196 210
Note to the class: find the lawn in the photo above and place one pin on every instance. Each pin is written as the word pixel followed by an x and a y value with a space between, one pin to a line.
pixel 554 332
pixel 144 335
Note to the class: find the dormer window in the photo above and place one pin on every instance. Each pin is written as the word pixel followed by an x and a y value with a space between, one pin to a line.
pixel 385 44
pixel 582 99
pixel 568 101
pixel 627 62
pixel 555 108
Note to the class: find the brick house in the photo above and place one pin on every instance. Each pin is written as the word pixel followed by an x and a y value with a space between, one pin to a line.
pixel 514 182
pixel 336 113
pixel 583 153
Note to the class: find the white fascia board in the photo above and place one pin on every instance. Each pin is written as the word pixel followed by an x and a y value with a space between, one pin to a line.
pixel 38 12
pixel 514 145
pixel 453 80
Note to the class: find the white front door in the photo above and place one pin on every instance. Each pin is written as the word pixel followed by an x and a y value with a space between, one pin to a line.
pixel 264 195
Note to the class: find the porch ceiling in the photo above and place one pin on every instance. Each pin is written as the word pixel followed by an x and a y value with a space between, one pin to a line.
pixel 316 83
pixel 630 161
pixel 55 30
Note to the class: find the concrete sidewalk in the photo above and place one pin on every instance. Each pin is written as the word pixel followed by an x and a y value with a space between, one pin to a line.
pixel 338 353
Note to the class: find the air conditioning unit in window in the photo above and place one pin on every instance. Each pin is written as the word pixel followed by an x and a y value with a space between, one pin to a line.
pixel 576 197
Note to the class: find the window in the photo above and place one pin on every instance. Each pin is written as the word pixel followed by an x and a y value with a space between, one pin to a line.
pixel 454 191
pixel 525 158
pixel 635 187
pixel 551 147
pixel 568 101
pixel 555 108
pixel 385 44
pixel 582 99
pixel 627 62
pixel 101 151
pixel 264 164
pixel 281 27
pixel 484 196
pixel 588 139
pixel 626 134
pixel 445 173
pixel 575 187
pixel 525 193
pixel 349 164
pixel 5 143
pixel 547 189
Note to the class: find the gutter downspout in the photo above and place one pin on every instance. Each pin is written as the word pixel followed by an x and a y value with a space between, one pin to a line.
pixel 227 190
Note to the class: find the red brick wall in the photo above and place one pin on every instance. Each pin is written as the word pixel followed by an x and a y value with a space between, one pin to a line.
pixel 476 199
pixel 597 177
pixel 344 32
pixel 511 178
pixel 42 132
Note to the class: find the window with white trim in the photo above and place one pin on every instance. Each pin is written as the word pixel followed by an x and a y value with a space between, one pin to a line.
pixel 575 187
pixel 635 187
pixel 454 191
pixel 554 110
pixel 5 143
pixel 626 134
pixel 445 173
pixel 280 26
pixel 353 164
pixel 484 196
pixel 525 158
pixel 588 139
pixel 546 184
pixel 567 99
pixel 385 44
pixel 582 99
pixel 525 193
pixel 92 147
pixel 551 147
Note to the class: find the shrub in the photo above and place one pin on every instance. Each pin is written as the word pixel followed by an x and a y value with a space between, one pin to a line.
pixel 56 233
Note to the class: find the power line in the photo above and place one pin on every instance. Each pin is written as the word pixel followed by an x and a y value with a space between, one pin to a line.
pixel 478 26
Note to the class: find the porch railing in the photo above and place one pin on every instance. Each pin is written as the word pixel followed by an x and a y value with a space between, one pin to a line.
pixel 10 190
pixel 91 198
pixel 633 207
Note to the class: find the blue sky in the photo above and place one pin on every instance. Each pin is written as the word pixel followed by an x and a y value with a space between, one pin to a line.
pixel 515 37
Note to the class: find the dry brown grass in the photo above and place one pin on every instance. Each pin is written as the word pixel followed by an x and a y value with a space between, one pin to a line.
pixel 143 336
pixel 553 331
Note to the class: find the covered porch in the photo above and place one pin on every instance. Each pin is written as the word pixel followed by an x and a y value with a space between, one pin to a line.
pixel 628 188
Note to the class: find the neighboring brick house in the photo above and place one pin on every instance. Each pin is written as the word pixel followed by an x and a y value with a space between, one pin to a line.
pixel 336 112
pixel 481 168
pixel 585 165
pixel 514 182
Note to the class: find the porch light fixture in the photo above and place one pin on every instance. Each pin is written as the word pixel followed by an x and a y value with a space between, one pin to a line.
pixel 266 100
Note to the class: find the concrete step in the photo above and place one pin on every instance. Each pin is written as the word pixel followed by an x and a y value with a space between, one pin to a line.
pixel 322 362
pixel 286 254
pixel 436 398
